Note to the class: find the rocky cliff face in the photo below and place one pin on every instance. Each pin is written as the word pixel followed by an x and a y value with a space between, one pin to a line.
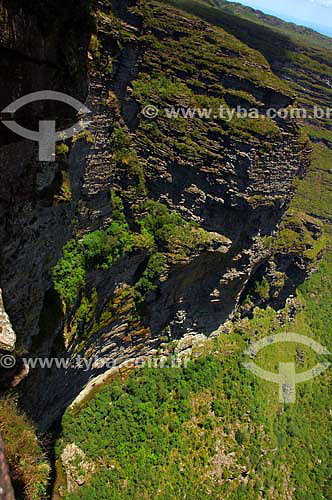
pixel 35 51
pixel 233 179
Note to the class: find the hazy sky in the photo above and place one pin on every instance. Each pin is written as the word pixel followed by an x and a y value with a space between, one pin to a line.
pixel 314 13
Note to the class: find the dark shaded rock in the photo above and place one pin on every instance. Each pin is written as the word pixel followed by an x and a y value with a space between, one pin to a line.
pixel 6 489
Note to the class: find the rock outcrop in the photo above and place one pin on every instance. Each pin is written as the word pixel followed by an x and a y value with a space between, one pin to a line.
pixel 7 334
pixel 76 466
pixel 234 180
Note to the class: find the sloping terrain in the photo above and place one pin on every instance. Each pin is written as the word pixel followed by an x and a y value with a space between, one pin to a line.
pixel 149 235
pixel 300 56
pixel 212 429
pixel 174 217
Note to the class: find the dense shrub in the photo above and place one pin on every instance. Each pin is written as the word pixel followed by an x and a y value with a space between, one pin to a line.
pixel 147 282
pixel 69 274
pixel 170 231
pixel 160 231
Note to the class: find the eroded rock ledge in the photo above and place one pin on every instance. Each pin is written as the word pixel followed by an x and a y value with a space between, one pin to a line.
pixel 7 334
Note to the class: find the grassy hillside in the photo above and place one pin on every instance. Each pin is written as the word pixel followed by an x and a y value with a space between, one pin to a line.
pixel 256 15
pixel 301 57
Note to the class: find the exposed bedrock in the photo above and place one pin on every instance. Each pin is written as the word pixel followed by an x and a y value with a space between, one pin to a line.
pixel 237 187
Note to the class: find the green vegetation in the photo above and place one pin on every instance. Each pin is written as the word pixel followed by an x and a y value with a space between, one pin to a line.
pixel 211 429
pixel 231 40
pixel 190 431
pixel 305 55
pixel 126 157
pixel 97 250
pixel 147 282
pixel 171 232
pixel 262 288
pixel 184 70
pixel 319 134
pixel 29 466
pixel 120 141
pixel 294 236
pixel 160 230
pixel 294 31
pixel 314 191
pixel 161 87
pixel 69 273
pixel 62 149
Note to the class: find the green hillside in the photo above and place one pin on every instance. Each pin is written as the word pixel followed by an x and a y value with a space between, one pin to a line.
pixel 303 59
pixel 213 429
